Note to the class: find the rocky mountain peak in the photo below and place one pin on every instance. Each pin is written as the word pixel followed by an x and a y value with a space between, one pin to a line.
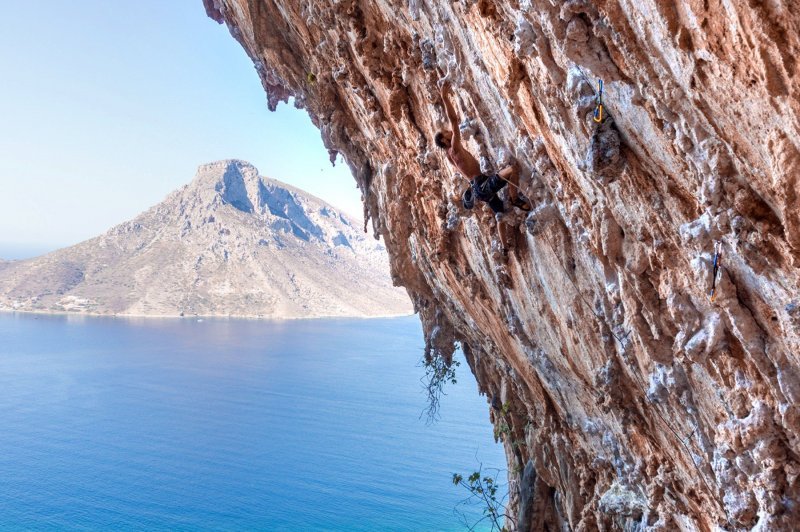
pixel 229 243
pixel 237 184
pixel 285 209
pixel 232 181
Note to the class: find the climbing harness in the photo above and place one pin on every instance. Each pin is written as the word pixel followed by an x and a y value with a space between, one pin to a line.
pixel 597 116
pixel 465 178
pixel 716 269
pixel 468 196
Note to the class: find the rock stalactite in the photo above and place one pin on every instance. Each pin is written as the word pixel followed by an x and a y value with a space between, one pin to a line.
pixel 631 399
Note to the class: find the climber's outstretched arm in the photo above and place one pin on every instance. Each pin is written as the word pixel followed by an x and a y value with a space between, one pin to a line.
pixel 451 115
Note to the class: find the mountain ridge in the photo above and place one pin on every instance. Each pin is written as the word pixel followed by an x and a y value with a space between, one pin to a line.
pixel 229 243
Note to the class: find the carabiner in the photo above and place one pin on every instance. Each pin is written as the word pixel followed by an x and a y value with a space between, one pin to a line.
pixel 598 108
pixel 598 113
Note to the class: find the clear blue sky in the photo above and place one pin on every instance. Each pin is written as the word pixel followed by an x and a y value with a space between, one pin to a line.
pixel 106 107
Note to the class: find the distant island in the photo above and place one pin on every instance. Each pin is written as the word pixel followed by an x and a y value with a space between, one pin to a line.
pixel 230 243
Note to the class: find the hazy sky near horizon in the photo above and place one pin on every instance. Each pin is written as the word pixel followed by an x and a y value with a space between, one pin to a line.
pixel 108 106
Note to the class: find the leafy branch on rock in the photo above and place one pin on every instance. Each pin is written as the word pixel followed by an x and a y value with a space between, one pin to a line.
pixel 483 490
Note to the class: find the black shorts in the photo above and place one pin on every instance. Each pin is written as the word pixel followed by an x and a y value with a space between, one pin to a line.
pixel 485 188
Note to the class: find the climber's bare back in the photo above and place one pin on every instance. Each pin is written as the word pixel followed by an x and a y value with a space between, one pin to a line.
pixel 464 161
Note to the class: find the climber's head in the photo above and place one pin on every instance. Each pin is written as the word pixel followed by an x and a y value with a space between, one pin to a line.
pixel 443 138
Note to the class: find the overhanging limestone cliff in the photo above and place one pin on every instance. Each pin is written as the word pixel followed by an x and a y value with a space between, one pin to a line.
pixel 633 400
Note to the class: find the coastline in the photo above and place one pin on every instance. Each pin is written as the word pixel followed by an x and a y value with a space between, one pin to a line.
pixel 201 316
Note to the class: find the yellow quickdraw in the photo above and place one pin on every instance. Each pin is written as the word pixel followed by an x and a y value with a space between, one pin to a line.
pixel 598 108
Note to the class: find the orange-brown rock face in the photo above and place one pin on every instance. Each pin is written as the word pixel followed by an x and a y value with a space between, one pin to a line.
pixel 631 399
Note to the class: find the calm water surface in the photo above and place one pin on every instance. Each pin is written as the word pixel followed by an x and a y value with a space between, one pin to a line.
pixel 229 424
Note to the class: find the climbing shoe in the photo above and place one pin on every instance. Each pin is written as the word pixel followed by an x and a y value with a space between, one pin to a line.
pixel 521 204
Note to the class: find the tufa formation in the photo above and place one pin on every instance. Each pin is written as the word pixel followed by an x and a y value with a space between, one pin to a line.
pixel 631 400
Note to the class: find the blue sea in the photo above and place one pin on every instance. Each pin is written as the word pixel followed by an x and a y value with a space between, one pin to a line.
pixel 185 424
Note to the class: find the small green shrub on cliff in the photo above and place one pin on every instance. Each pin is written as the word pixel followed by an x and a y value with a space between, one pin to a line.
pixel 502 428
pixel 483 490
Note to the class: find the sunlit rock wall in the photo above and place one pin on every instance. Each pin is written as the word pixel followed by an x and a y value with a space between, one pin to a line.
pixel 631 400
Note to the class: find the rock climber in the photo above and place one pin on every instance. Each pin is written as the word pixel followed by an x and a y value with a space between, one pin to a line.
pixel 482 187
